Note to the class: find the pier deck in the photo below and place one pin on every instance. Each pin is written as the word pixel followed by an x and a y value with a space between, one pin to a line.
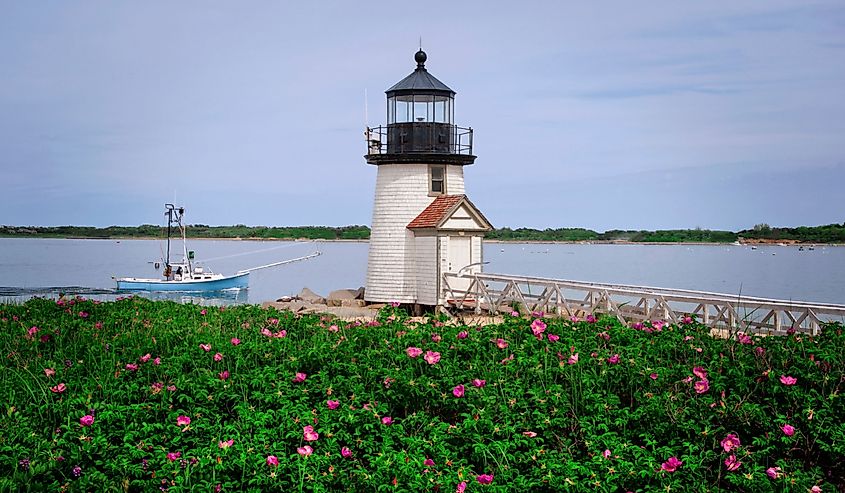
pixel 494 293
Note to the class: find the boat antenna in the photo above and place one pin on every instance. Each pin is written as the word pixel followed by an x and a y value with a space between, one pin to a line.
pixel 169 208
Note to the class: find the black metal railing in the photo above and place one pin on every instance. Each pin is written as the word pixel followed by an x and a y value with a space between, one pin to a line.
pixel 419 138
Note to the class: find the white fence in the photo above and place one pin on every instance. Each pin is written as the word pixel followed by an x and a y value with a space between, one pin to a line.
pixel 493 293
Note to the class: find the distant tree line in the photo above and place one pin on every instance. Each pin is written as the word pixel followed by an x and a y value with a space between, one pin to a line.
pixel 831 233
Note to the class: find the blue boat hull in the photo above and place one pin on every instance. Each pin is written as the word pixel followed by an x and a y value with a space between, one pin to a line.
pixel 238 281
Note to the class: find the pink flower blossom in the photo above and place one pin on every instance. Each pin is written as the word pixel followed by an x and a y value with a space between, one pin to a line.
pixel 332 404
pixel 591 319
pixel 732 463
pixel 514 313
pixel 413 352
pixel 606 453
pixel 476 382
pixel 573 319
pixel 157 361
pixel 431 357
pixel 132 367
pixel 744 338
pixel 538 327
pixel 428 462
pixel 345 452
pixel 462 486
pixel 501 343
pixel 172 456
pixel 463 334
pixel 687 320
pixel 653 376
pixel 58 389
pixel 183 421
pixel 436 337
pixel 218 357
pixel 83 314
pixel 553 338
pixel 730 442
pixel 816 489
pixel 305 451
pixel 529 434
pixel 266 332
pixel 86 420
pixel 613 359
pixel 458 391
pixel 226 443
pixel 484 478
pixel 387 420
pixel 759 351
pixel 701 386
pixel 203 312
pixel 145 358
pixel 223 375
pixel 572 359
pixel 235 341
pixel 309 435
pixel 787 380
pixel 671 464
pixel 281 334
pixel 205 347
pixel 49 372
pixel 272 460
pixel 773 472
pixel 699 372
pixel 788 430
pixel 299 377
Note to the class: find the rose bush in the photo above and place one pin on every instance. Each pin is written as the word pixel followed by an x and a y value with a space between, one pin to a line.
pixel 313 404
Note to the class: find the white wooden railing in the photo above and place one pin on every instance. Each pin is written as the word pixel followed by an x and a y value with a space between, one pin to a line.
pixel 493 293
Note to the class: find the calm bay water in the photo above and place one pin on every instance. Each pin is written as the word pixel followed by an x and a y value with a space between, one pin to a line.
pixel 45 266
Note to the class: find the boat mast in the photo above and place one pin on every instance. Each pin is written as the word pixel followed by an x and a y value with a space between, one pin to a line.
pixel 169 208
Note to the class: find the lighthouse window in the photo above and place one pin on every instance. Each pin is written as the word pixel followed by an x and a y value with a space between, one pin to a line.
pixel 438 180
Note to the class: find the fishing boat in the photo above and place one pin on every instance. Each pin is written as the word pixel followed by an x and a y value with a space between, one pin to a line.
pixel 183 275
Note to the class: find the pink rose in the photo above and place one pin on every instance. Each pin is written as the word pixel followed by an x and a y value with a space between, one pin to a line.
pixel 86 420
pixel 484 478
pixel 788 380
pixel 183 421
pixel 671 464
pixel 235 341
pixel 458 391
pixel 788 430
pixel 272 460
pixel 345 452
pixel 413 352
pixel 332 404
pixel 730 442
pixel 306 450
pixel 431 357
pixel 476 382
pixel 701 386
pixel 387 420
pixel 309 435
pixel 299 377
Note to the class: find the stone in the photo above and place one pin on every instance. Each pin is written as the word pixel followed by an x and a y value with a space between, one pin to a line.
pixel 311 297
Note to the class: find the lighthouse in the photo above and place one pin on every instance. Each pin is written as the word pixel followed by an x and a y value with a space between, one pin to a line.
pixel 424 225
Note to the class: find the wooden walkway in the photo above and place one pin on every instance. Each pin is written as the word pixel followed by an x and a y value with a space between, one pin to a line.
pixel 494 293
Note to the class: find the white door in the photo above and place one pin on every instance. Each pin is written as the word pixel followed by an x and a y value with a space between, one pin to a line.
pixel 460 255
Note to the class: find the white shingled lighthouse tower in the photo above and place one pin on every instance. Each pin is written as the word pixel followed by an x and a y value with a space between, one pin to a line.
pixel 423 223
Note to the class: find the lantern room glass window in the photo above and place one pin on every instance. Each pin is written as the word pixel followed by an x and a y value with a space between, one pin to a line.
pixel 420 108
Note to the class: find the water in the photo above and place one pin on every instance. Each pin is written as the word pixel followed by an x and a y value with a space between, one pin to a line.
pixel 46 267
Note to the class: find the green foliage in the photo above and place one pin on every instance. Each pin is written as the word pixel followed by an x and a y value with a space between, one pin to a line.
pixel 832 233
pixel 542 421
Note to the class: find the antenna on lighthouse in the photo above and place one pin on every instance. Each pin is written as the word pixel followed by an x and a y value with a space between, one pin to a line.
pixel 366 118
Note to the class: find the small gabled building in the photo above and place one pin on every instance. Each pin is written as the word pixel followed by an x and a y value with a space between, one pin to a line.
pixel 448 237
pixel 423 224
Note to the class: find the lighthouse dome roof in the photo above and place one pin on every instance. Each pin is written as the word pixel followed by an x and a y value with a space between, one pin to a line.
pixel 420 81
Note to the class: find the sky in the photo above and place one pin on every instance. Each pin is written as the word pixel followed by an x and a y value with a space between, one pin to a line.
pixel 602 115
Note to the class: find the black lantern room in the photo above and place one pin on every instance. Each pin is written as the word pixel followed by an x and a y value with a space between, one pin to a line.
pixel 420 124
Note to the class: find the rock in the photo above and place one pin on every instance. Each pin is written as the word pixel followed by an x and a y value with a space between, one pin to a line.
pixel 310 296
pixel 338 297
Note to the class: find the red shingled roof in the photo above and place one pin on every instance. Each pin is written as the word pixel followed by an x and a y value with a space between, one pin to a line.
pixel 436 211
